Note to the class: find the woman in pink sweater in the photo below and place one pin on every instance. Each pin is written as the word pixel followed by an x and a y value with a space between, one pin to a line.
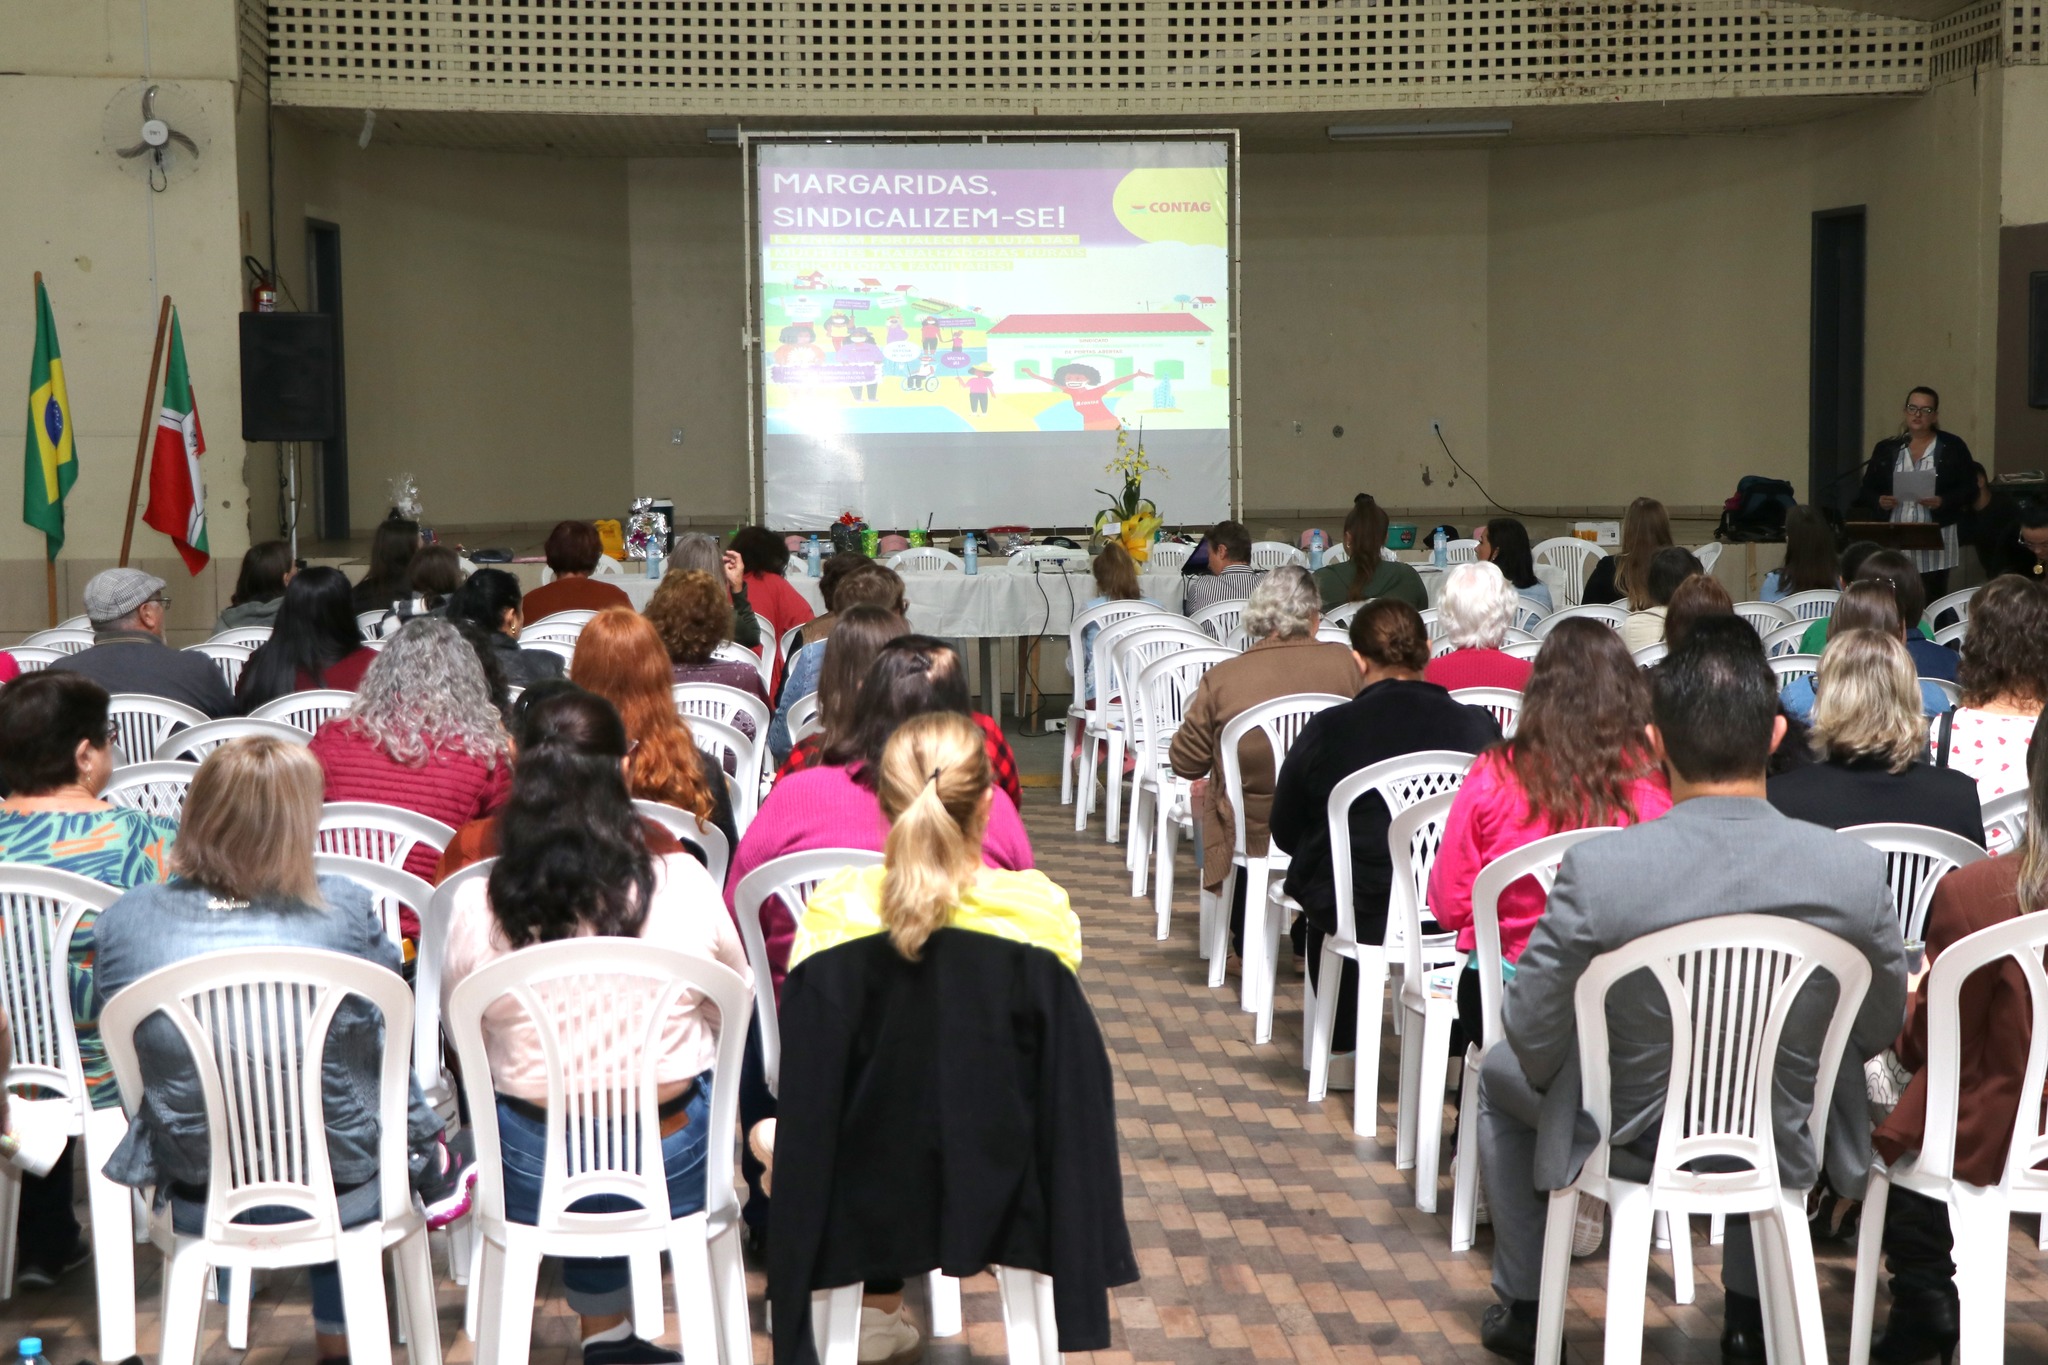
pixel 1578 759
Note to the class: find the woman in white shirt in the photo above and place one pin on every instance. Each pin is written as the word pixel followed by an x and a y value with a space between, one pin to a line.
pixel 576 863
pixel 2004 681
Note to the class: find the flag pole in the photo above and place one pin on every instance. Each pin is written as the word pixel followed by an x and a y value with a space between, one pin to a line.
pixel 49 563
pixel 149 419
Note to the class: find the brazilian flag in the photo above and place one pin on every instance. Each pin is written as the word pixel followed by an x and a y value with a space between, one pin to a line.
pixel 50 465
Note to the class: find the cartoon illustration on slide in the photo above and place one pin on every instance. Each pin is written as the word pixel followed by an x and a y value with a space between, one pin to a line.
pixel 929 334
pixel 895 332
pixel 799 348
pixel 860 349
pixel 923 379
pixel 979 385
pixel 836 328
pixel 1083 386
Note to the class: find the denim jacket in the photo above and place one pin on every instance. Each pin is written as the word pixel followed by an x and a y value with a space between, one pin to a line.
pixel 155 926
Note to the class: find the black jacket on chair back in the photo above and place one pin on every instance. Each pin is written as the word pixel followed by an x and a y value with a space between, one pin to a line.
pixel 949 1114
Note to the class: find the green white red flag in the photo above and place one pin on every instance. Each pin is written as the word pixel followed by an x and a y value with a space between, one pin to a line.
pixel 177 490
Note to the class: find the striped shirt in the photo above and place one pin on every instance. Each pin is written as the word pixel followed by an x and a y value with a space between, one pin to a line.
pixel 1926 561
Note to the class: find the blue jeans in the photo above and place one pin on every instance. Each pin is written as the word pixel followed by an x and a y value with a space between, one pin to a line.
pixel 601 1287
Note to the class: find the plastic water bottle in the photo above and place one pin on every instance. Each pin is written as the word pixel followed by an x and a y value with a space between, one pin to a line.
pixel 653 562
pixel 1438 552
pixel 1315 550
pixel 811 558
pixel 967 553
pixel 32 1351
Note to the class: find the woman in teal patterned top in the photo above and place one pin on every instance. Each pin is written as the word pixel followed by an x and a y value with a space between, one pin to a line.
pixel 56 753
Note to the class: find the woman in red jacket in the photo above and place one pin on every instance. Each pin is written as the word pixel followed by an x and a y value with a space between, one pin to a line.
pixel 781 607
pixel 422 735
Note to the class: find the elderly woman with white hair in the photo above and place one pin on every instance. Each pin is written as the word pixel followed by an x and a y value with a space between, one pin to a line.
pixel 1477 605
pixel 1285 658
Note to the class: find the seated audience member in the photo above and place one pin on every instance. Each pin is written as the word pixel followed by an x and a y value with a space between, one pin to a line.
pixel 1693 601
pixel 388 578
pixel 1395 712
pixel 573 551
pixel 1365 573
pixel 1993 527
pixel 867 584
pixel 2004 679
pixel 1504 543
pixel 488 659
pixel 576 864
pixel 1810 564
pixel 1714 713
pixel 1475 609
pixel 422 734
pixel 2031 561
pixel 315 643
pixel 1866 604
pixel 620 658
pixel 56 753
pixel 1230 575
pixel 1669 567
pixel 693 617
pixel 1869 734
pixel 867 628
pixel 1997 1014
pixel 1624 577
pixel 266 568
pixel 1116 580
pixel 831 570
pixel 491 602
pixel 1930 660
pixel 577 721
pixel 242 877
pixel 1285 658
pixel 435 574
pixel 128 654
pixel 764 556
pixel 1578 760
pixel 694 550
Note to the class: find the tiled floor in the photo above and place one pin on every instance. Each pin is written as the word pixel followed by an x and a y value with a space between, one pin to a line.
pixel 1264 1231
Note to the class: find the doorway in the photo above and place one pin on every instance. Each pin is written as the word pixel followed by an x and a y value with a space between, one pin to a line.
pixel 330 488
pixel 1834 440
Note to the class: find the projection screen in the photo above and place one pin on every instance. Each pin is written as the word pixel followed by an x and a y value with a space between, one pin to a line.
pixel 957 330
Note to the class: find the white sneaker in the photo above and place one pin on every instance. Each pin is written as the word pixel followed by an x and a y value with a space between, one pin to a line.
pixel 888 1338
pixel 1343 1071
pixel 1591 1228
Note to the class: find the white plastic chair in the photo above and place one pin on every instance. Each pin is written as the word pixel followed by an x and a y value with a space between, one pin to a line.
pixel 1950 690
pixel 40 909
pixel 378 833
pixel 1916 858
pixel 926 559
pixel 1504 704
pixel 78 622
pixel 1729 983
pixel 1786 640
pixel 153 788
pixel 706 837
pixel 1224 621
pixel 307 710
pixel 790 879
pixel 1341 614
pixel 574 617
pixel 142 723
pixel 371 623
pixel 1028 1324
pixel 1081 710
pixel 1528 613
pixel 1790 668
pixel 1271 554
pixel 763 662
pixel 600 1007
pixel 251 636
pixel 1708 555
pixel 1162 692
pixel 1529 649
pixel 1333 635
pixel 806 719
pixel 1576 557
pixel 1463 551
pixel 229 659
pixel 256 1021
pixel 1596 611
pixel 715 701
pixel 1399 783
pixel 63 639
pixel 1651 654
pixel 1764 617
pixel 390 886
pixel 2005 822
pixel 1109 729
pixel 1166 557
pixel 565 651
pixel 1130 722
pixel 1426 1016
pixel 738 758
pixel 34 658
pixel 1952 635
pixel 1337 554
pixel 1539 860
pixel 1432 627
pixel 1956 602
pixel 551 632
pixel 201 740
pixel 1979 1215
pixel 1281 722
pixel 792 640
pixel 1812 604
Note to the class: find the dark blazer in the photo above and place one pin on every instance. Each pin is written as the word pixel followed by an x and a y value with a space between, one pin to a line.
pixel 1385 721
pixel 946 1114
pixel 1837 794
pixel 1955 483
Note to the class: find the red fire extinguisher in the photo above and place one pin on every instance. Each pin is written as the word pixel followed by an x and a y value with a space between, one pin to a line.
pixel 263 297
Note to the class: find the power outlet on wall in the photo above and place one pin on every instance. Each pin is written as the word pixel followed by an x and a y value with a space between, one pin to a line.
pixel 675 436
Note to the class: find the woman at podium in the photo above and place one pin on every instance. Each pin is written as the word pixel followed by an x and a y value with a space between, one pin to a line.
pixel 1921 475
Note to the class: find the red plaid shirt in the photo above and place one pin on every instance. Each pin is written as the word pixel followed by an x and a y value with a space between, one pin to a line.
pixel 807 752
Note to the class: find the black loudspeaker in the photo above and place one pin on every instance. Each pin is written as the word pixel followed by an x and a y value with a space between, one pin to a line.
pixel 288 377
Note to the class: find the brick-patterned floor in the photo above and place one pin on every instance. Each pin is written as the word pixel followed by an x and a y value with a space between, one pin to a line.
pixel 1265 1231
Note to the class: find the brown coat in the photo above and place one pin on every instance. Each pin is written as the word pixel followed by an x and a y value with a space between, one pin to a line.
pixel 1271 668
pixel 1997 1028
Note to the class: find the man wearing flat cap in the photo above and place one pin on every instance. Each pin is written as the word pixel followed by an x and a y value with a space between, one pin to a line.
pixel 126 607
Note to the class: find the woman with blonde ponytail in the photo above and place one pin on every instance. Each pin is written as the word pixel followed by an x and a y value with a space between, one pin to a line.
pixel 936 789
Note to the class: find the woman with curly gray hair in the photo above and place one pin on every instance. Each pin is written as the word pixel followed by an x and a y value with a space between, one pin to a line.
pixel 421 735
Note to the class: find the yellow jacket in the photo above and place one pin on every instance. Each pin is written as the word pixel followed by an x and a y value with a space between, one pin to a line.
pixel 1026 906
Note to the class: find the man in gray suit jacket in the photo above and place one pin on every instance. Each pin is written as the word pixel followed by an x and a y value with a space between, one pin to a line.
pixel 1722 850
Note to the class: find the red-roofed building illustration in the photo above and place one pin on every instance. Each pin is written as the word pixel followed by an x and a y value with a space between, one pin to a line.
pixel 1175 346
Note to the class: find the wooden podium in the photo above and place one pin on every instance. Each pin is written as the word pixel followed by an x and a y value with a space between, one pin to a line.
pixel 1896 535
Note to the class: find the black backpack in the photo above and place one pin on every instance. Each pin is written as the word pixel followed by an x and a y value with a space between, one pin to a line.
pixel 1757 511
